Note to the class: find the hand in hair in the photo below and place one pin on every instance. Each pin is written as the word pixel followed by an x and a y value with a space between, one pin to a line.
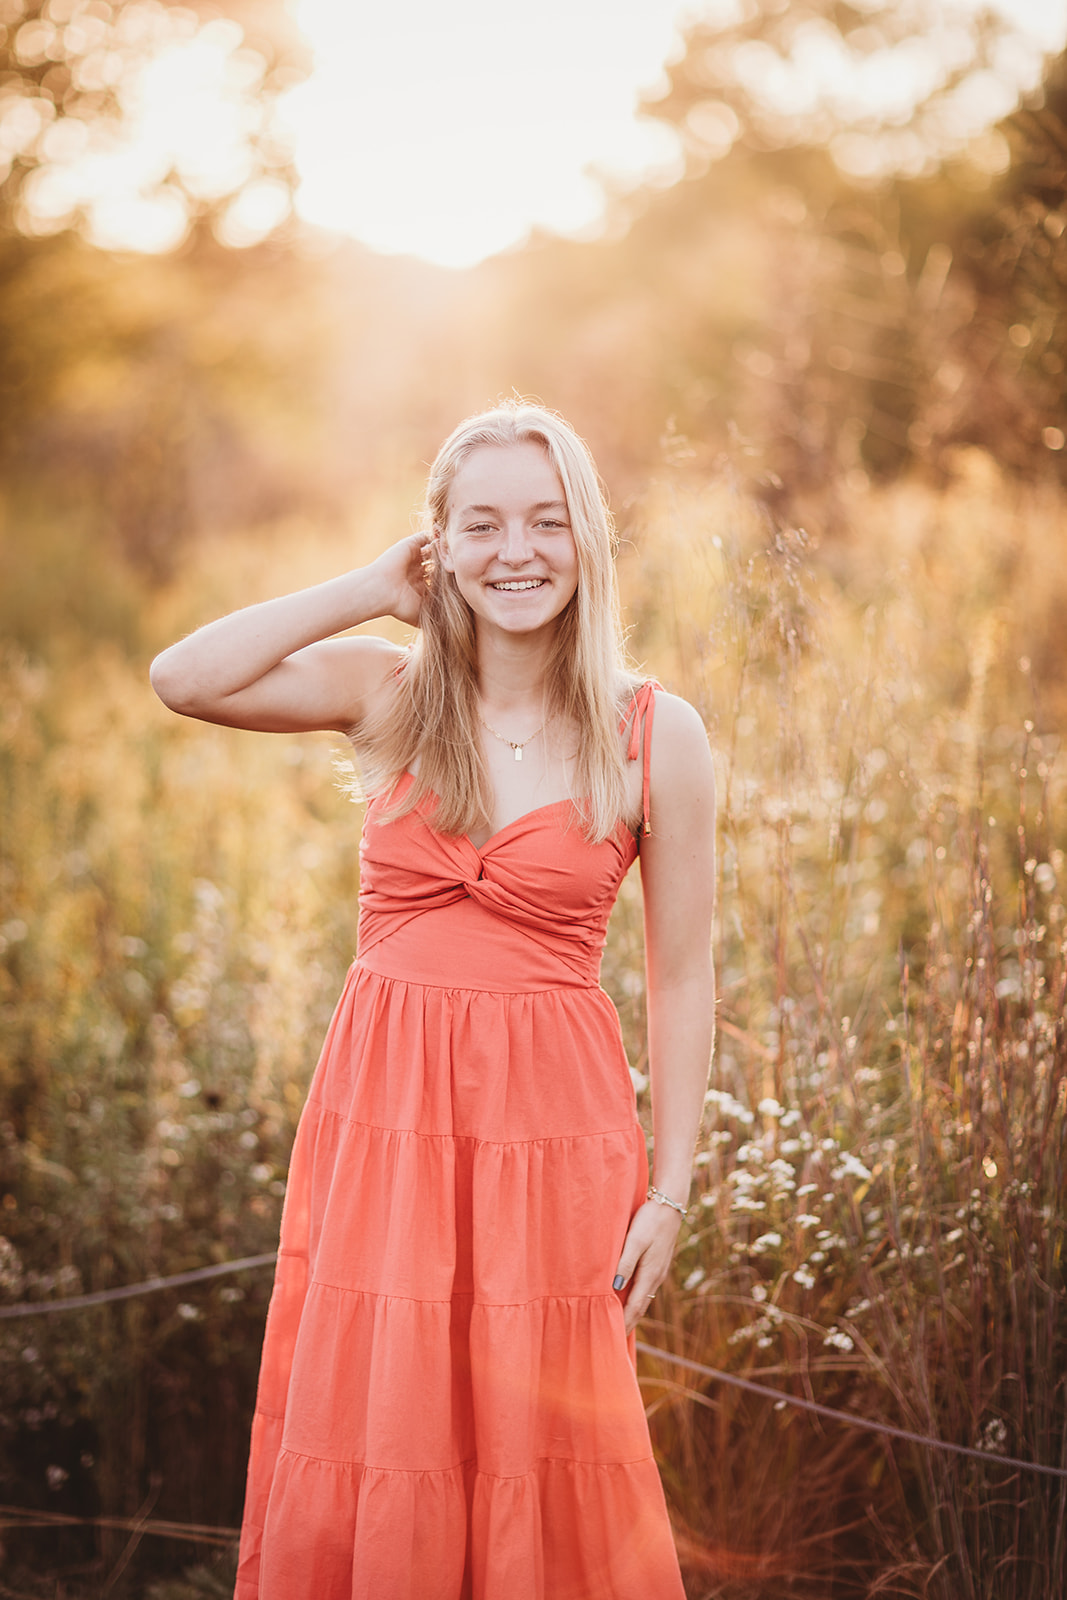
pixel 402 570
pixel 278 667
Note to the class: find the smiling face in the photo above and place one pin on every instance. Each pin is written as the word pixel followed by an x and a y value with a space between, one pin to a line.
pixel 508 540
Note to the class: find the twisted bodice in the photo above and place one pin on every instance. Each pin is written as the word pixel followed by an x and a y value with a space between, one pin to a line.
pixel 527 910
pixel 534 900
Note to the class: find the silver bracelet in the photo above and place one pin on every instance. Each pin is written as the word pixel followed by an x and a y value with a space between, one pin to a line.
pixel 665 1200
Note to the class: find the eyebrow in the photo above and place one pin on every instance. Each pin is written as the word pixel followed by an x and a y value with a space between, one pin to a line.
pixel 540 505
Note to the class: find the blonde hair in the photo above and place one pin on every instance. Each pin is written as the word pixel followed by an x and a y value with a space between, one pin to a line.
pixel 431 727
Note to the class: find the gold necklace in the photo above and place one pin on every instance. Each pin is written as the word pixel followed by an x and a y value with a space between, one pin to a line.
pixel 511 743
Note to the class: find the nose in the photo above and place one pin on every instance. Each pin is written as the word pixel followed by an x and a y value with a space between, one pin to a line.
pixel 515 547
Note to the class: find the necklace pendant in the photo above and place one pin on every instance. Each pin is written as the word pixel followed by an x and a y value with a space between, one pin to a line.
pixel 518 752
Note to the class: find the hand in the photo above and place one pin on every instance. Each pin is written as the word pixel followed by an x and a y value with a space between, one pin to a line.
pixel 646 1256
pixel 402 571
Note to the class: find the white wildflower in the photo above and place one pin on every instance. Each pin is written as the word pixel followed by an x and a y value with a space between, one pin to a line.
pixel 838 1340
pixel 850 1167
pixel 728 1106
pixel 994 1435
pixel 1044 877
pixel 804 1277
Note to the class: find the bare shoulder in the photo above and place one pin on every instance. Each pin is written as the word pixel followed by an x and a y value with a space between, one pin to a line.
pixel 679 852
pixel 679 742
pixel 682 773
pixel 678 726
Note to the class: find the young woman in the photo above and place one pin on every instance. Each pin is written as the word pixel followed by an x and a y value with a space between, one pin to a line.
pixel 448 1408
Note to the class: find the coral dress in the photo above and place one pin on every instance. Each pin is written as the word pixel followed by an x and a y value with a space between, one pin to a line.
pixel 448 1407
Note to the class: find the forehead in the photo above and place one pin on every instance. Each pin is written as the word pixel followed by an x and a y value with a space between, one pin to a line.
pixel 505 476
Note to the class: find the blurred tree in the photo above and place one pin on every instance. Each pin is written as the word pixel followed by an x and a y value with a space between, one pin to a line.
pixel 889 86
pixel 912 287
pixel 126 382
pixel 1013 257
pixel 144 399
pixel 71 73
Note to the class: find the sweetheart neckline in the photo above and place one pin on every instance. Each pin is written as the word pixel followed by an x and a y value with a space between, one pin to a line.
pixel 549 805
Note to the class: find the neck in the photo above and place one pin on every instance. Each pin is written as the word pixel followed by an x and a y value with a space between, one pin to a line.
pixel 512 671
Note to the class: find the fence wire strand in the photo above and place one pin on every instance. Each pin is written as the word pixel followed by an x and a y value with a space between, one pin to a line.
pixel 849 1417
pixel 35 1308
pixel 132 1291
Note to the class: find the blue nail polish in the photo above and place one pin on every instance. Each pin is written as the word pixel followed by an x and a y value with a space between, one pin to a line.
pixel 618 1281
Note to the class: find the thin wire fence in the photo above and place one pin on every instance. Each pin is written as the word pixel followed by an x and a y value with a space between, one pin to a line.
pixel 178 1280
pixel 133 1291
pixel 189 1532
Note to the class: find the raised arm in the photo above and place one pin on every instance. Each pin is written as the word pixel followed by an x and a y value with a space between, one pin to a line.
pixel 276 667
pixel 678 880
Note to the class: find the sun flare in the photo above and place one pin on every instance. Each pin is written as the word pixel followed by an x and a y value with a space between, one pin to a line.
pixel 446 133
pixel 450 132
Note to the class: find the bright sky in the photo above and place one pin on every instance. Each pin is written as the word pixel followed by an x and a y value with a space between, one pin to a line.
pixel 445 130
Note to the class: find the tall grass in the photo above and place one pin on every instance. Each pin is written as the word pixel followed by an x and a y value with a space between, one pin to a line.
pixel 881 1216
pixel 879 1211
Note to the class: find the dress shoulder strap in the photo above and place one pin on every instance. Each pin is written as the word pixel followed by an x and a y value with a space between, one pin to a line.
pixel 638 719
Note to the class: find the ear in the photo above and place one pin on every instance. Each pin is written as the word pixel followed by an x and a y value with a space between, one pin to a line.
pixel 442 551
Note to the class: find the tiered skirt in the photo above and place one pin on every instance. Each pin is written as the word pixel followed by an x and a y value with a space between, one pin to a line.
pixel 448 1407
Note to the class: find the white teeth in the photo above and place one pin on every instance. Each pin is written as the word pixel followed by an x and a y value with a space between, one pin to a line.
pixel 528 583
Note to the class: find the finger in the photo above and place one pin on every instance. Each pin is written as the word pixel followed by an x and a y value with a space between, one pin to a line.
pixel 638 1305
pixel 633 1249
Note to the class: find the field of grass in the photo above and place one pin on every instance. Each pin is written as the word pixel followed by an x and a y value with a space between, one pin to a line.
pixel 879 1212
